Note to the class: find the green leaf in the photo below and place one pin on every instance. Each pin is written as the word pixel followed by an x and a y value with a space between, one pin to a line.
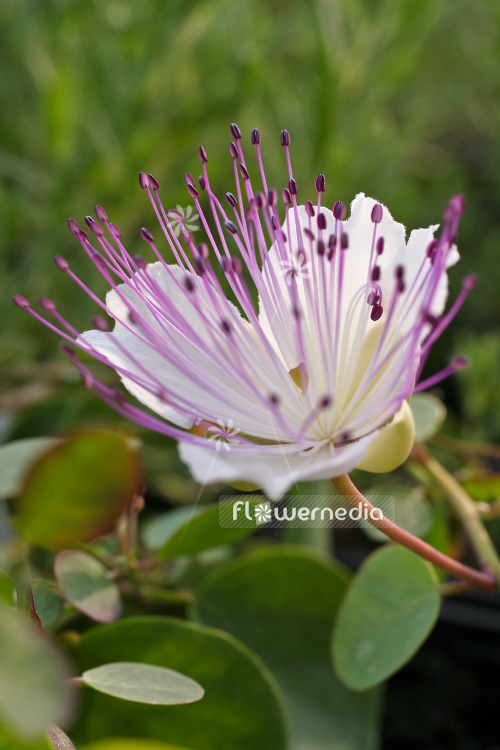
pixel 78 490
pixel 58 739
pixel 130 744
pixel 47 603
pixel 241 708
pixel 32 682
pixel 413 512
pixel 7 587
pixel 483 486
pixel 429 414
pixel 15 460
pixel 388 612
pixel 282 603
pixel 143 683
pixel 10 742
pixel 85 583
pixel 183 533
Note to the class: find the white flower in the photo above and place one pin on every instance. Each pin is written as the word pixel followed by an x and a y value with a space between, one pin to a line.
pixel 308 385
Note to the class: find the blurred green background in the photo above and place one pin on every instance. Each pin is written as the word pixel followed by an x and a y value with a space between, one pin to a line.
pixel 397 98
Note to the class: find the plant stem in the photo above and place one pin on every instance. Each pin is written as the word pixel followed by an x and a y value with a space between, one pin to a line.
pixel 483 580
pixel 465 508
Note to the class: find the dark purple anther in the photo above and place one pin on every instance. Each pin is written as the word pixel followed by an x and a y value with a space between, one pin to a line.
pixel 100 323
pixel 460 363
pixel 235 131
pixel 47 304
pixel 321 247
pixel 231 200
pixel 295 309
pixel 146 235
pixel 339 210
pixel 203 250
pixel 244 172
pixel 233 150
pixel 324 402
pixel 140 262
pixel 292 186
pixel 202 183
pixel 189 284
pixel 143 180
pixel 231 227
pixel 255 136
pixel 94 226
pixel 236 266
pixel 260 199
pixel 287 199
pixel 469 282
pixel 274 399
pixel 285 138
pixel 431 319
pixel 226 326
pixel 399 272
pixel 272 197
pixel 274 223
pixel 153 183
pixel 21 302
pixel 376 312
pixel 376 273
pixel 192 191
pixel 309 208
pixel 455 207
pixel 74 228
pixel 373 299
pixel 61 263
pixel 202 154
pixel 163 395
pixel 114 230
pixel 332 242
pixel 188 178
pixel 321 221
pixel 101 213
pixel 198 264
pixel 400 286
pixel 377 213
pixel 344 241
pixel 431 248
pixel 309 234
pixel 380 245
pixel 320 183
pixel 67 350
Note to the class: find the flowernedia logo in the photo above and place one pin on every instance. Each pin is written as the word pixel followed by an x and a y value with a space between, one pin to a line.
pixel 184 219
pixel 304 511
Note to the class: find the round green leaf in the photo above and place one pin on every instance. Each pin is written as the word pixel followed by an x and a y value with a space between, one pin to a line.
pixel 183 533
pixel 15 460
pixel 59 740
pixel 32 682
pixel 241 707
pixel 143 683
pixel 429 414
pixel 78 490
pixel 282 603
pixel 388 612
pixel 119 743
pixel 48 604
pixel 85 583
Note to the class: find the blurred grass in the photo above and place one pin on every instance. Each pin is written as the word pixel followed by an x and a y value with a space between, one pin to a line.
pixel 398 98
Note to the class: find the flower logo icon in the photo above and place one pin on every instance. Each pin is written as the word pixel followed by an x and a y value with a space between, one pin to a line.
pixel 223 435
pixel 263 513
pixel 299 269
pixel 184 219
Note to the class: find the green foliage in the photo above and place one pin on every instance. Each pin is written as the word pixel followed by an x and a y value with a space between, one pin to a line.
pixel 32 689
pixel 143 683
pixel 16 458
pixel 282 603
pixel 241 708
pixel 78 489
pixel 85 584
pixel 123 743
pixel 429 414
pixel 389 610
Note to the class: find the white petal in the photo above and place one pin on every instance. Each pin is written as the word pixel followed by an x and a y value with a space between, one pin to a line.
pixel 275 473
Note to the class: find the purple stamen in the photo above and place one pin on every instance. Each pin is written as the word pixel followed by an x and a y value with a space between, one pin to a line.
pixel 320 183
